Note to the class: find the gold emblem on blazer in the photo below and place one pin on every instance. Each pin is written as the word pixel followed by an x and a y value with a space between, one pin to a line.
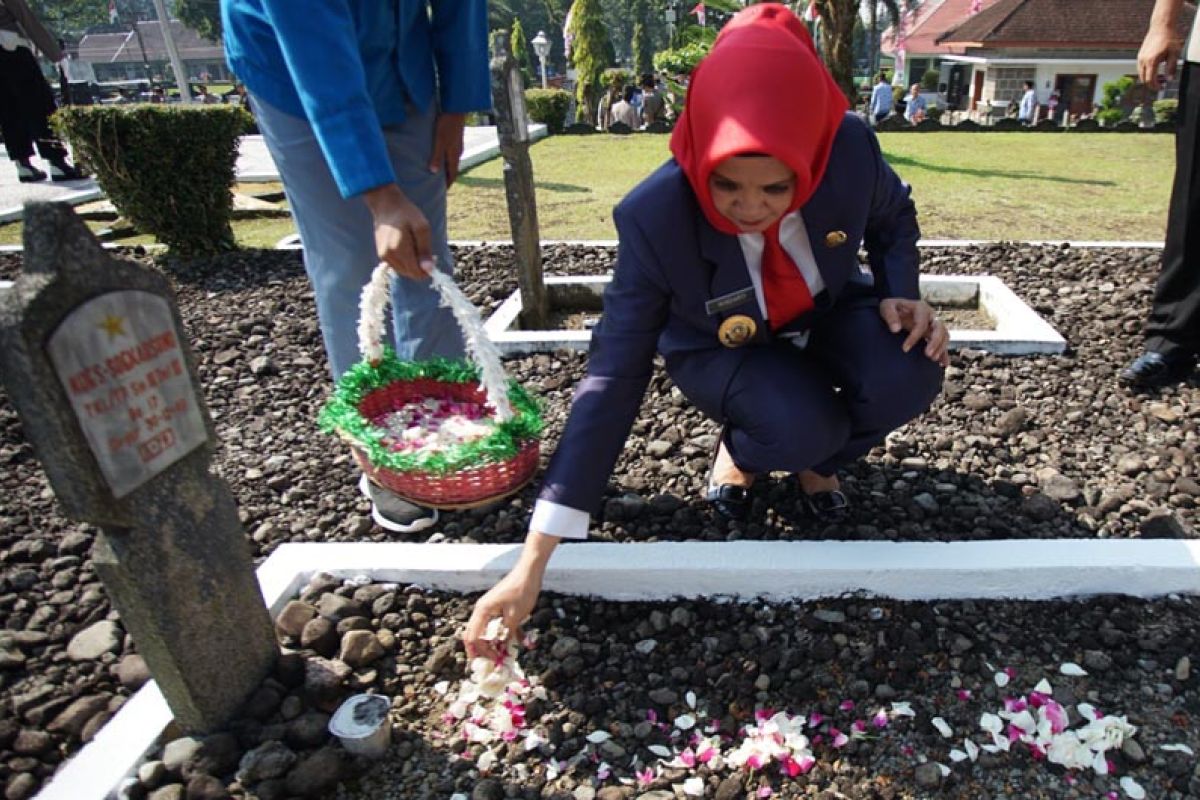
pixel 737 330
pixel 835 238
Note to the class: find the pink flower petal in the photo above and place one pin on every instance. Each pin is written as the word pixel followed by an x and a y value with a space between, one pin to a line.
pixel 846 705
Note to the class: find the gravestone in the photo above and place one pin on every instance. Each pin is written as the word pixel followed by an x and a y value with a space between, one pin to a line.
pixel 96 363
pixel 508 95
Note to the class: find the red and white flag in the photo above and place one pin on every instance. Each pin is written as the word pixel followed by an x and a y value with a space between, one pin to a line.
pixel 112 12
pixel 699 12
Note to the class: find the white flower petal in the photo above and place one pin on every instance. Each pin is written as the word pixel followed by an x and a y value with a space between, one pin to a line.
pixel 1177 748
pixel 1073 670
pixel 691 699
pixel 903 709
pixel 597 737
pixel 972 749
pixel 957 755
pixel 1044 687
pixel 694 787
pixel 1132 788
pixel 1087 711
pixel 1002 679
pixel 486 761
pixel 442 687
pixel 660 751
pixel 1100 764
pixel 991 723
pixel 943 769
pixel 943 727
pixel 685 722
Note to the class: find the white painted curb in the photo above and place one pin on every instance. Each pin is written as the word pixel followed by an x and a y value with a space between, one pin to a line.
pixel 74 199
pixel 1024 569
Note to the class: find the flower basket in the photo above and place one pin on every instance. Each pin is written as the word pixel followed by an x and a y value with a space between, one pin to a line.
pixel 448 434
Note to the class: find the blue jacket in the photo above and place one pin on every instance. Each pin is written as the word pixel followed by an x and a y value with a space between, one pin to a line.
pixel 352 66
pixel 671 262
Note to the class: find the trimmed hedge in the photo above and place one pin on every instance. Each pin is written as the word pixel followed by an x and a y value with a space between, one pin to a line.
pixel 167 169
pixel 549 107
pixel 1166 110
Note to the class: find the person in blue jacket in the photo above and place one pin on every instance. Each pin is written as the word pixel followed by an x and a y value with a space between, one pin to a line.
pixel 362 105
pixel 756 299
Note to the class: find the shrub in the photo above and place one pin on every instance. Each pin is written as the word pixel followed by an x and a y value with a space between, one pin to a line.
pixel 1166 110
pixel 934 112
pixel 548 106
pixel 1109 117
pixel 167 169
pixel 929 81
pixel 681 60
pixel 616 78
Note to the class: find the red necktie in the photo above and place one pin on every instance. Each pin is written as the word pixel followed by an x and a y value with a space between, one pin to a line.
pixel 784 288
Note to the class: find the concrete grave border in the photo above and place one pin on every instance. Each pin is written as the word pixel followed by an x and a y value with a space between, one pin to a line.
pixel 745 571
pixel 1020 330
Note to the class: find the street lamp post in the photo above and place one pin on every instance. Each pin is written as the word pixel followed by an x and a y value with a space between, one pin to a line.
pixel 670 17
pixel 541 46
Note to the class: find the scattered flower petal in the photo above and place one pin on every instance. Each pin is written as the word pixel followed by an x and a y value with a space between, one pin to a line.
pixel 685 722
pixel 598 737
pixel 943 727
pixel 660 751
pixel 943 769
pixel 1072 670
pixel 1002 679
pixel 1132 788
pixel 690 697
pixel 693 787
pixel 1177 748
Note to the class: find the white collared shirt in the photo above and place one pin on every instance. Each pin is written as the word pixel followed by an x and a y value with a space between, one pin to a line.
pixel 554 519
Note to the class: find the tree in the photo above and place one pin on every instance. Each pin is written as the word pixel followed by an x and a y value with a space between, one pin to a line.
pixel 521 52
pixel 590 53
pixel 640 44
pixel 837 38
pixel 202 16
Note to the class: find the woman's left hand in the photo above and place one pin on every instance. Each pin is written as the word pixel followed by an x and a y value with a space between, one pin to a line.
pixel 917 317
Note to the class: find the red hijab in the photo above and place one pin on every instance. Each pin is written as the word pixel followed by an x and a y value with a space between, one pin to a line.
pixel 762 89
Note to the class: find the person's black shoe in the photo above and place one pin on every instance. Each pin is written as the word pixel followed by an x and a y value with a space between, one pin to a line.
pixel 1151 370
pixel 394 513
pixel 27 173
pixel 730 501
pixel 827 506
pixel 62 171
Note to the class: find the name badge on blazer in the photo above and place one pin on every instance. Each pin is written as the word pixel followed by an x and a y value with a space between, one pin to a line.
pixel 719 305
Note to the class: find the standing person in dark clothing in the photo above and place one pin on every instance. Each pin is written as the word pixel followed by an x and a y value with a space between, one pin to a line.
pixel 26 101
pixel 1173 330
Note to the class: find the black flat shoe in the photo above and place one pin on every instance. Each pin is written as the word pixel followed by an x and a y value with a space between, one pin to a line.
pixel 827 506
pixel 1151 370
pixel 730 501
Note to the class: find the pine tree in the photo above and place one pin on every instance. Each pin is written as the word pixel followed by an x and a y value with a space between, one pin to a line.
pixel 640 45
pixel 590 49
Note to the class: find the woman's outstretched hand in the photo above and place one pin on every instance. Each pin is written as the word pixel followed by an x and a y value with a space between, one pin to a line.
pixel 917 317
pixel 511 600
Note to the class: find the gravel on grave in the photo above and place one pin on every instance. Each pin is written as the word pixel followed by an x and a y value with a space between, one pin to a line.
pixel 1032 447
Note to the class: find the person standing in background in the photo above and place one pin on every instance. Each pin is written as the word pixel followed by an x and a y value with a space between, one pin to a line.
pixel 362 104
pixel 26 100
pixel 881 99
pixel 1173 330
pixel 1029 104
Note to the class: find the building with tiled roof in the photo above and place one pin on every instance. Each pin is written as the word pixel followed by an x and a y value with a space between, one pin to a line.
pixel 141 53
pixel 1068 47
pixel 983 59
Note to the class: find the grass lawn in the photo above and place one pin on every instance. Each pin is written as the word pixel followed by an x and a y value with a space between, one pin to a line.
pixel 966 185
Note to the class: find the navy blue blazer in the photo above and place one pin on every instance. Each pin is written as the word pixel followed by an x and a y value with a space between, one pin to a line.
pixel 671 262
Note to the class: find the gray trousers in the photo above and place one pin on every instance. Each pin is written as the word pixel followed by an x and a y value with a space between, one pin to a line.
pixel 339 240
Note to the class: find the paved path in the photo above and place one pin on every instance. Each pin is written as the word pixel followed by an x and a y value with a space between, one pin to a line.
pixel 254 165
